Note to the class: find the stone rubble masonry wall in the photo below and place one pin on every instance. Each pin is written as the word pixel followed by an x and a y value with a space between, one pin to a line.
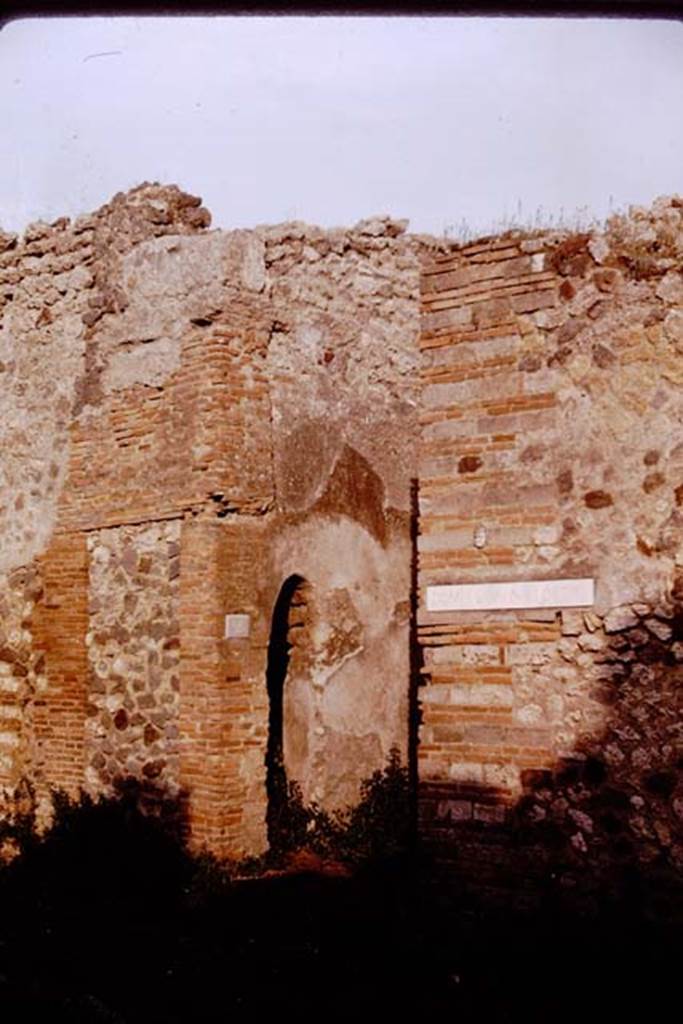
pixel 22 672
pixel 551 446
pixel 188 418
pixel 133 652
pixel 56 284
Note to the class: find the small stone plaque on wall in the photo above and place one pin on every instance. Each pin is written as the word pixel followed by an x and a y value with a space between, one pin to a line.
pixel 237 627
pixel 480 597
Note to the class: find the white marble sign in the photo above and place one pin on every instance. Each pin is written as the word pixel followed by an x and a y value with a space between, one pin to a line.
pixel 236 626
pixel 481 597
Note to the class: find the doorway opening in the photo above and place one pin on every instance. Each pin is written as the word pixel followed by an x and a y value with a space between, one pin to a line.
pixel 288 641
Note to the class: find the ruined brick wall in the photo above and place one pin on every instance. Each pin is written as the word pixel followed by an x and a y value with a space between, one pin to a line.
pixel 551 448
pixel 194 420
pixel 231 408
pixel 346 305
pixel 57 281
pixel 343 457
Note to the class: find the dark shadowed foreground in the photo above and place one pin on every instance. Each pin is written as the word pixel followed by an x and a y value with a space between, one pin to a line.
pixel 109 919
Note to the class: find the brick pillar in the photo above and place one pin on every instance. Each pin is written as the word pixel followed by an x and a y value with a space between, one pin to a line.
pixel 223 699
pixel 61 623
pixel 484 517
pixel 202 681
pixel 246 724
pixel 222 710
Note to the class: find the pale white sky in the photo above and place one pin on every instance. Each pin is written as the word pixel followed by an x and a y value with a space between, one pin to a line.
pixel 328 120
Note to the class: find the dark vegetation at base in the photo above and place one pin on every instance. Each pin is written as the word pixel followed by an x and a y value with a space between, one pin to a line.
pixel 108 919
pixel 377 828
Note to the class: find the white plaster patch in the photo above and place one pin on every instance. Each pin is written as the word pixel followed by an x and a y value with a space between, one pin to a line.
pixel 577 593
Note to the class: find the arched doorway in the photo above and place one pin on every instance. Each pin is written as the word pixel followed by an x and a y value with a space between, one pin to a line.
pixel 288 652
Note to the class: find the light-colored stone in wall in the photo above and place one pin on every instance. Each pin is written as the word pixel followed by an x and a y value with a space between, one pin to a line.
pixel 22 674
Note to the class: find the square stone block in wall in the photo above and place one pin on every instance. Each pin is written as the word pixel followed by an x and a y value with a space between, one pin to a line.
pixel 237 627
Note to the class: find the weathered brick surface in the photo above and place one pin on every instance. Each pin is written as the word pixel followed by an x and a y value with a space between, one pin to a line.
pixel 60 625
pixel 223 698
pixel 151 453
pixel 549 448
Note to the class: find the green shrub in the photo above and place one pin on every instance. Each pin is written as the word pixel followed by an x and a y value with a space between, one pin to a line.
pixel 86 832
pixel 375 828
pixel 379 825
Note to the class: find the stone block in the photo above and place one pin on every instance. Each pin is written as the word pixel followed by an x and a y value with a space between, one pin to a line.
pixel 492 814
pixel 467 772
pixel 619 619
pixel 572 622
pixel 454 810
pixel 481 695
